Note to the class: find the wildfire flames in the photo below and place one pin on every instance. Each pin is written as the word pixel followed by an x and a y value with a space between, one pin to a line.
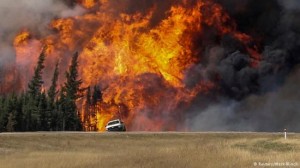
pixel 140 66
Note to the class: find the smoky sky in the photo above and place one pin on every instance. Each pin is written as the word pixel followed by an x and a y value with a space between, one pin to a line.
pixel 29 14
pixel 32 15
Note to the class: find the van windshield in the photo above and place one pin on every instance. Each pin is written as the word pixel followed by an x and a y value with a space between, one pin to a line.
pixel 113 122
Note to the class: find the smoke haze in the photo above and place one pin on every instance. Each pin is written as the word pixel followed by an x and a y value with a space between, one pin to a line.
pixel 273 111
pixel 32 15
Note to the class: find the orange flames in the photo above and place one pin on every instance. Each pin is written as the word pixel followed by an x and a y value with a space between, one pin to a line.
pixel 139 65
pixel 88 3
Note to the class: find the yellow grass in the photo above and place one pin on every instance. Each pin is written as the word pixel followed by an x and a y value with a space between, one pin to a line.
pixel 149 150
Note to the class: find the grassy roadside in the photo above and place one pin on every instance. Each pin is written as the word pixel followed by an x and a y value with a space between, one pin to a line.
pixel 93 150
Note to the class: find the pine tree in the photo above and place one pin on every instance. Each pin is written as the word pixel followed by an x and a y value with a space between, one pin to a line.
pixel 13 112
pixel 52 93
pixel 88 103
pixel 2 100
pixel 11 123
pixel 31 111
pixel 56 117
pixel 27 112
pixel 61 103
pixel 43 114
pixel 34 94
pixel 72 84
pixel 35 85
pixel 19 116
pixel 72 93
pixel 9 108
pixel 33 114
pixel 4 113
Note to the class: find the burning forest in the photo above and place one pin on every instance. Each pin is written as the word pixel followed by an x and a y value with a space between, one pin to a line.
pixel 173 65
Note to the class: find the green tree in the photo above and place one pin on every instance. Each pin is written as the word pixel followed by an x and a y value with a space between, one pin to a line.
pixel 52 98
pixel 18 112
pixel 52 93
pixel 61 122
pixel 27 112
pixel 56 117
pixel 35 85
pixel 11 122
pixel 43 113
pixel 88 104
pixel 19 116
pixel 2 100
pixel 31 110
pixel 72 93
pixel 7 117
pixel 5 107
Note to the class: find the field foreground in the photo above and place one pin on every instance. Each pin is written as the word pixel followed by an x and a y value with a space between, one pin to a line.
pixel 149 150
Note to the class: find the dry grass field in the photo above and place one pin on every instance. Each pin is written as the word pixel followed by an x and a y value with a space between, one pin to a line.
pixel 149 150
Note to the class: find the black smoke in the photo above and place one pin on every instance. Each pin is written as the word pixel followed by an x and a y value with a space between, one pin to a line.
pixel 261 98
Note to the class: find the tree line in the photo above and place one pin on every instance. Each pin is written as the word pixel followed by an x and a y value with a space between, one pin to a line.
pixel 38 110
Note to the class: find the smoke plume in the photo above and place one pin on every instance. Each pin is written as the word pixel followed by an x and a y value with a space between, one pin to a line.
pixel 262 98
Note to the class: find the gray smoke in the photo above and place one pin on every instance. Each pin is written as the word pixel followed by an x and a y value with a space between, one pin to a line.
pixel 290 4
pixel 34 15
pixel 219 117
pixel 250 98
pixel 273 111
